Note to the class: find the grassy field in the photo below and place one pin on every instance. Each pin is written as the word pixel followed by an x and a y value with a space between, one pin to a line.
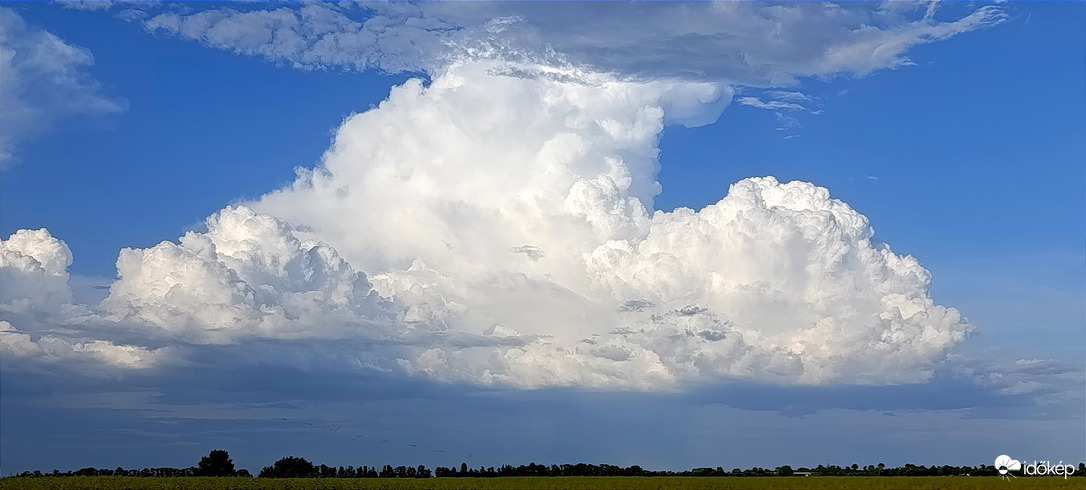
pixel 540 483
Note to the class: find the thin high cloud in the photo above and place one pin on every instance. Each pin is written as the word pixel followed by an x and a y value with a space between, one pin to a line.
pixel 746 43
pixel 494 224
pixel 43 80
pixel 739 44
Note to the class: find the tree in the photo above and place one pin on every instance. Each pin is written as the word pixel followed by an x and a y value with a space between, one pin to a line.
pixel 289 467
pixel 217 463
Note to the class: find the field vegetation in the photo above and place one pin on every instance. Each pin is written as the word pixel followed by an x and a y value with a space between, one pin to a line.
pixel 540 483
pixel 216 471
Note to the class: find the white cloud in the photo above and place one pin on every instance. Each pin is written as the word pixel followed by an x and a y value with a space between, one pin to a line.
pixel 496 225
pixel 34 290
pixel 745 43
pixel 797 275
pixel 786 105
pixel 1049 382
pixel 34 268
pixel 43 79
pixel 86 4
pixel 53 349
pixel 790 96
pixel 775 105
pixel 104 4
pixel 504 226
pixel 315 36
pixel 441 192
pixel 247 276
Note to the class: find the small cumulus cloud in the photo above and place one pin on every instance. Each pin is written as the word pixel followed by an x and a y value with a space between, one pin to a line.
pixel 789 96
pixel 786 107
pixel 34 268
pixel 771 105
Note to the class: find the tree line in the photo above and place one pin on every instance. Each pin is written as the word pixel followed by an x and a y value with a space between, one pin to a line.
pixel 218 463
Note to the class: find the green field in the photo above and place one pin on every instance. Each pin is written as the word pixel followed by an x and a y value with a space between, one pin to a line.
pixel 541 483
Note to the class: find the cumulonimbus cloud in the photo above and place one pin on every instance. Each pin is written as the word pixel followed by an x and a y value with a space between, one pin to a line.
pixel 495 225
pixel 411 239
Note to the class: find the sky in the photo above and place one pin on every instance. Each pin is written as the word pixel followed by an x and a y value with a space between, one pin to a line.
pixel 665 234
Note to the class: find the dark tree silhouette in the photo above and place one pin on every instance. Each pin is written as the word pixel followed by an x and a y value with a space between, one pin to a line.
pixel 218 463
pixel 289 467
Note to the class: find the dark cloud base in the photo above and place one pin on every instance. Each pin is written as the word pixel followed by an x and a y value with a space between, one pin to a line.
pixel 262 413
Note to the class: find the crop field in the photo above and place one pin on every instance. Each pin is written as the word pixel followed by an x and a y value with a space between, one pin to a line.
pixel 541 483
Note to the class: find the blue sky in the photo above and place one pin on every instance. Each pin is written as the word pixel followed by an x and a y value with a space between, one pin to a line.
pixel 960 142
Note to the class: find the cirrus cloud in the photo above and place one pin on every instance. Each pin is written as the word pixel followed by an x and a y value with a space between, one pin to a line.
pixel 43 79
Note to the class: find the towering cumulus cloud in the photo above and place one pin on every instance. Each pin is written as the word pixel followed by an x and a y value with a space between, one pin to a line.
pixel 495 224
pixel 505 223
pixel 34 269
pixel 34 293
pixel 247 276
